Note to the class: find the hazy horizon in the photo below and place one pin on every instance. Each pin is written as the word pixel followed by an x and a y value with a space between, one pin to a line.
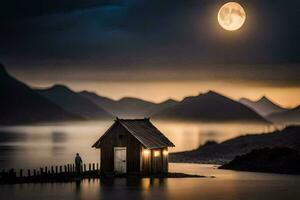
pixel 160 87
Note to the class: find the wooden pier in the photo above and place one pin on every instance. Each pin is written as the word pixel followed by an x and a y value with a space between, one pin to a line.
pixel 61 173
pixel 67 173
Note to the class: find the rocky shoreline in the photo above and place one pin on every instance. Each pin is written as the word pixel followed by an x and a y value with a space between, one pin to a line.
pixel 272 160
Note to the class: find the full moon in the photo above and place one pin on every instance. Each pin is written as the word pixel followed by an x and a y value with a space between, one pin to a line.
pixel 231 16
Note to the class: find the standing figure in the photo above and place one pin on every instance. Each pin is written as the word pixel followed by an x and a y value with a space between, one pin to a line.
pixel 78 163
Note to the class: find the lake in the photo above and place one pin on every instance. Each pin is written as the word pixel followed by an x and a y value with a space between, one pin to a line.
pixel 227 185
pixel 56 144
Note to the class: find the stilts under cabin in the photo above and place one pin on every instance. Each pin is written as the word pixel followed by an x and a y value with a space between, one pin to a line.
pixel 133 146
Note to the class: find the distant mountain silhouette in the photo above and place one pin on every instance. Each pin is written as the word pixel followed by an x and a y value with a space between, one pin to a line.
pixel 128 106
pixel 288 117
pixel 210 106
pixel 20 104
pixel 263 106
pixel 273 160
pixel 73 102
pixel 227 150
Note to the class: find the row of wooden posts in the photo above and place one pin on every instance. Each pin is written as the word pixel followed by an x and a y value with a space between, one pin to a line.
pixel 52 170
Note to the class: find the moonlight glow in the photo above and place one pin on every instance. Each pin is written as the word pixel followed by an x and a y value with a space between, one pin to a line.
pixel 231 16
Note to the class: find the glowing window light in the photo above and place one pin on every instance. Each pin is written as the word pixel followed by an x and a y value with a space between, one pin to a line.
pixel 165 152
pixel 156 153
pixel 146 152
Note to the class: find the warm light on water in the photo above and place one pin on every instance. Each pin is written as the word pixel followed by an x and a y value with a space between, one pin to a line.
pixel 189 135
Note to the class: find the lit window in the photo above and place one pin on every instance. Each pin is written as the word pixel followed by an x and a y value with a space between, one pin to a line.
pixel 156 153
pixel 146 152
pixel 165 152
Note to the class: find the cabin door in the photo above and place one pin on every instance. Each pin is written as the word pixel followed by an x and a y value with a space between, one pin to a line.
pixel 120 160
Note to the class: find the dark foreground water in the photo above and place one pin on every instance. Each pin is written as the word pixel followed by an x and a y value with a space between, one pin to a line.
pixel 228 185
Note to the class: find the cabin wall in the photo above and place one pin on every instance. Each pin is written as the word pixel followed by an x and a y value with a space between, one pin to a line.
pixel 118 136
pixel 146 161
pixel 165 166
pixel 154 162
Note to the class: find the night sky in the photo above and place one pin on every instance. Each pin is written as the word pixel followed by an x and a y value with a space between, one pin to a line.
pixel 98 44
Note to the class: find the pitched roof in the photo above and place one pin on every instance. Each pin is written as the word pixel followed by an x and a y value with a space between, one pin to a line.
pixel 144 131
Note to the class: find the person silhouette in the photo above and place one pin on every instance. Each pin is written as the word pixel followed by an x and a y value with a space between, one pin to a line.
pixel 78 162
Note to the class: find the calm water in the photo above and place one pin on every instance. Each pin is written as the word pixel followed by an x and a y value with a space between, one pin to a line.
pixel 226 186
pixel 35 146
pixel 44 145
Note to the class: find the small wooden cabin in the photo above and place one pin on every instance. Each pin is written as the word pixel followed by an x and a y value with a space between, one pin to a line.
pixel 133 146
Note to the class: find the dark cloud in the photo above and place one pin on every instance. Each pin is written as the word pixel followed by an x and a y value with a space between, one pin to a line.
pixel 16 9
pixel 170 34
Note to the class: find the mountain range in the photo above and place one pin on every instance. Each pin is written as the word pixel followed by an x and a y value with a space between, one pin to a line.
pixel 21 104
pixel 73 102
pixel 263 106
pixel 210 106
pixel 128 107
pixel 273 112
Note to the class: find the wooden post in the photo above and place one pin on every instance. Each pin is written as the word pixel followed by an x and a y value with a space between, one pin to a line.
pixel 89 166
pixel 34 172
pixel 93 166
pixel 42 171
pixel 97 166
pixel 28 173
pixel 12 173
pixel 84 167
pixel 68 166
pixel 21 172
pixel 56 169
pixel 60 169
pixel 73 168
pixel 65 168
